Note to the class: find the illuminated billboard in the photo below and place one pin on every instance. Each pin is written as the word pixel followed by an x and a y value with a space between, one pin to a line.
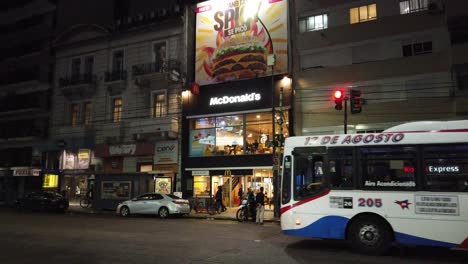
pixel 236 38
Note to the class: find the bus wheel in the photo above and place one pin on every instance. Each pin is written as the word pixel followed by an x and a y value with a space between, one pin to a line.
pixel 370 235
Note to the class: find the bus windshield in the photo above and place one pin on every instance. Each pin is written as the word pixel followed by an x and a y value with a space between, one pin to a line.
pixel 308 174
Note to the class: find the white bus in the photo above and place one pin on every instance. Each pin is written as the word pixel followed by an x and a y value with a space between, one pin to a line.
pixel 407 185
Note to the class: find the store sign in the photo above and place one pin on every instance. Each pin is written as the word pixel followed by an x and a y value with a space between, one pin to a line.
pixel 234 39
pixel 201 173
pixel 25 171
pixel 165 152
pixel 128 149
pixel 252 97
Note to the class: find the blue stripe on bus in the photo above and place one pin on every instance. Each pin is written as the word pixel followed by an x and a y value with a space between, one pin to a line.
pixel 409 239
pixel 333 227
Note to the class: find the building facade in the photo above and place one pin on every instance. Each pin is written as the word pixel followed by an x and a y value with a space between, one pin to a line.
pixel 240 103
pixel 26 63
pixel 404 57
pixel 116 107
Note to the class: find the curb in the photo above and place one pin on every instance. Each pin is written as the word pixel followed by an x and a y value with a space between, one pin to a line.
pixel 191 216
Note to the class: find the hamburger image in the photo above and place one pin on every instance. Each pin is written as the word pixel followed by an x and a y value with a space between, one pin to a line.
pixel 239 58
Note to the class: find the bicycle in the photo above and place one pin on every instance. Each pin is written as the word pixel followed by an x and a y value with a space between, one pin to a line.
pixel 85 202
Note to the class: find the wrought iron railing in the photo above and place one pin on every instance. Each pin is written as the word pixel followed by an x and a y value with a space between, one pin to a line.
pixel 77 80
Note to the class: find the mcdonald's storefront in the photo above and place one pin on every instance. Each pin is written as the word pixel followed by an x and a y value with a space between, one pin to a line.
pixel 206 182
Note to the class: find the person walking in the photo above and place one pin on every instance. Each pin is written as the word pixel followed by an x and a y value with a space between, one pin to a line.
pixel 240 194
pixel 219 199
pixel 260 200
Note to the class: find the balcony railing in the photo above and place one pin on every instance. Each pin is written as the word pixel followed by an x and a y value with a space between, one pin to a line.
pixel 152 17
pixel 115 76
pixel 155 67
pixel 77 80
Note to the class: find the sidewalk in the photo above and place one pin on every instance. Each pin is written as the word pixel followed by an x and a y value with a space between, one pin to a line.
pixel 229 214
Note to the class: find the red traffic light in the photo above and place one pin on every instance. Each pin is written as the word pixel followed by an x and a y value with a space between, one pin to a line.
pixel 338 95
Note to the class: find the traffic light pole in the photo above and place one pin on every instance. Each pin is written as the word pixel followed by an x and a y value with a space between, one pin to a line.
pixel 345 99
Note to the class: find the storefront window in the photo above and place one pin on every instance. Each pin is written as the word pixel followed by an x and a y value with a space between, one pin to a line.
pixel 201 185
pixel 247 134
pixel 258 131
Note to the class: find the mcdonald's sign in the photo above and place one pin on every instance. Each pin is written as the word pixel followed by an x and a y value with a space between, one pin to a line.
pixel 227 173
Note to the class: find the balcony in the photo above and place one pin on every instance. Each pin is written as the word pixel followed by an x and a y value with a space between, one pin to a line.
pixel 75 131
pixel 154 71
pixel 154 128
pixel 116 81
pixel 78 86
pixel 155 17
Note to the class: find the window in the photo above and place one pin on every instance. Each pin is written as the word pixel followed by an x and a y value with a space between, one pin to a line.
pixel 117 61
pixel 417 49
pixel 159 104
pixel 244 134
pixel 87 113
pixel 308 173
pixel 340 163
pixel 313 23
pixel 88 67
pixel 117 110
pixel 75 68
pixel 446 168
pixel 75 114
pixel 411 6
pixel 160 56
pixel 388 168
pixel 286 188
pixel 201 185
pixel 363 13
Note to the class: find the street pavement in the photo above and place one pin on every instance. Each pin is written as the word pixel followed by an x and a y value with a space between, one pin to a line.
pixel 229 214
pixel 40 237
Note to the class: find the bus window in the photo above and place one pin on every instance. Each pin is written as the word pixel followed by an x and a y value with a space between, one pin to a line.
pixel 388 168
pixel 340 168
pixel 286 188
pixel 446 168
pixel 308 175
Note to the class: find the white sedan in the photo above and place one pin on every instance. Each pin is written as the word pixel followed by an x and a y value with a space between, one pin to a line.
pixel 154 203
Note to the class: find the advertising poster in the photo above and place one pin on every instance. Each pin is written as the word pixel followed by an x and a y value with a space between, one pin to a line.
pixel 69 160
pixel 165 152
pixel 83 159
pixel 163 185
pixel 116 190
pixel 202 142
pixel 235 38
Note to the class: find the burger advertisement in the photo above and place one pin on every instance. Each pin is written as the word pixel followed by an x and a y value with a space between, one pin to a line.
pixel 237 39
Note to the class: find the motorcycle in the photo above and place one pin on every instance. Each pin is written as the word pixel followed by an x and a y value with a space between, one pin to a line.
pixel 245 211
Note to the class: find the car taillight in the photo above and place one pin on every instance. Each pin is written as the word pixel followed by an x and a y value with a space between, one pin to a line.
pixel 179 202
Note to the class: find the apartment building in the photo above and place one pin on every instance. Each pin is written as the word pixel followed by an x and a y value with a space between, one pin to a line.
pixel 116 106
pixel 407 59
pixel 26 28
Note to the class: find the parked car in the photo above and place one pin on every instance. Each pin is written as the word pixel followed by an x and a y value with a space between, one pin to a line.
pixel 43 201
pixel 160 204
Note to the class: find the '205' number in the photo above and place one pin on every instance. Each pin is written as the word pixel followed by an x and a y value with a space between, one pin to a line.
pixel 370 202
